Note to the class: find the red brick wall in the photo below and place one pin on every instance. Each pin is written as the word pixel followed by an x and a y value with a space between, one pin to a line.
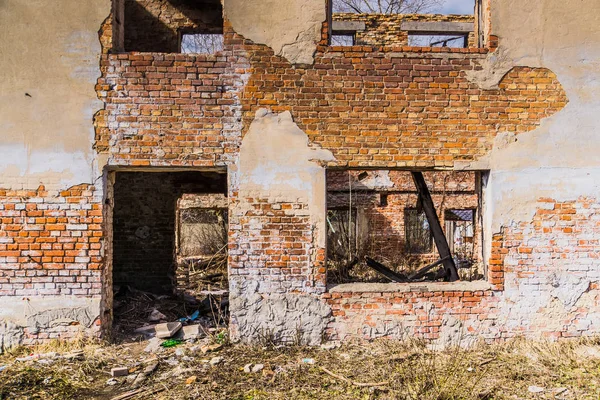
pixel 373 109
pixel 274 244
pixel 410 314
pixel 50 242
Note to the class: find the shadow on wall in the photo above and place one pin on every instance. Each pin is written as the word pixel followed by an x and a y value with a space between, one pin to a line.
pixel 154 25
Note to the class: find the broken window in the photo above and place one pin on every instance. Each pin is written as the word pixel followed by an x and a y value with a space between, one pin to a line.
pixel 417 232
pixel 380 226
pixel 201 43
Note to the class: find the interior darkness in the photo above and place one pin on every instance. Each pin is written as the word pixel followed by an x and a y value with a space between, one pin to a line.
pixel 155 25
pixel 144 219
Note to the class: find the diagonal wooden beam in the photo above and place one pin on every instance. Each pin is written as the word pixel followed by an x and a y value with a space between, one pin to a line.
pixel 436 228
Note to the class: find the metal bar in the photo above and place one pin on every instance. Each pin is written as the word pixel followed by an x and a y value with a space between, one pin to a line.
pixel 385 271
pixel 436 228
pixel 421 273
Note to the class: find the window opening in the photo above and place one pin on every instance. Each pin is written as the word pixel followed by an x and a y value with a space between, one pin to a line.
pixel 342 39
pixel 201 43
pixel 380 226
pixel 460 231
pixel 415 23
pixel 452 41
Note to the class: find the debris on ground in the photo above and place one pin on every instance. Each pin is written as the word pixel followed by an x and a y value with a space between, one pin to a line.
pixel 119 371
pixel 167 330
pixel 381 369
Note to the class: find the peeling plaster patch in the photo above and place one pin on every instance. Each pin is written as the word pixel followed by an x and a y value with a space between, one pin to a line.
pixel 283 318
pixel 59 317
pixel 291 28
pixel 48 134
pixel 512 195
pixel 568 288
pixel 11 335
pixel 276 161
pixel 377 180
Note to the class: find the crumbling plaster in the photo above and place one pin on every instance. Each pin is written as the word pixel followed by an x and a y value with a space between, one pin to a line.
pixel 49 58
pixel 22 316
pixel 277 163
pixel 291 28
pixel 558 160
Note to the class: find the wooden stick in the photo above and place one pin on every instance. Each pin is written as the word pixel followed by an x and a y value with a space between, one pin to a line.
pixel 351 382
pixel 130 394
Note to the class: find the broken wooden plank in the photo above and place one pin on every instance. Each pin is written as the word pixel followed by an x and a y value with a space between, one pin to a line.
pixel 436 228
pixel 385 271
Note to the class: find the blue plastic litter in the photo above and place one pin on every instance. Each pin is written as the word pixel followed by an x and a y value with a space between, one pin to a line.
pixel 190 318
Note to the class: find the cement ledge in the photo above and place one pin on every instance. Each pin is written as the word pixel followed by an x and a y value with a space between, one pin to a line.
pixel 460 286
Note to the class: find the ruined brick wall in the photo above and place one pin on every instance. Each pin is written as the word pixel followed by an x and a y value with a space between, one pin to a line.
pixel 548 266
pixel 389 106
pixel 276 241
pixel 386 30
pixel 170 109
pixel 155 25
pixel 50 242
pixel 386 221
pixel 50 245
pixel 543 283
pixel 433 312
pixel 375 108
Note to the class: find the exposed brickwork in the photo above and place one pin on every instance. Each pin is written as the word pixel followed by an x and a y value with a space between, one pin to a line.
pixel 385 29
pixel 277 248
pixel 50 242
pixel 374 109
pixel 558 250
pixel 170 109
pixel 418 314
pixel 381 105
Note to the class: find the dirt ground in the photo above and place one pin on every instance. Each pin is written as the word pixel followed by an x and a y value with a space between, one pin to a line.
pixel 211 368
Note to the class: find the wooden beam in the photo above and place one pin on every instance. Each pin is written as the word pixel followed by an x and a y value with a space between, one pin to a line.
pixel 436 228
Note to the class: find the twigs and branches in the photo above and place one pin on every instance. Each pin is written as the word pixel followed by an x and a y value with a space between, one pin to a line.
pixel 386 6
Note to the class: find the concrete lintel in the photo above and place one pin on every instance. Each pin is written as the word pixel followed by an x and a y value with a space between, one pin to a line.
pixel 409 54
pixel 437 27
pixel 348 26
pixel 411 287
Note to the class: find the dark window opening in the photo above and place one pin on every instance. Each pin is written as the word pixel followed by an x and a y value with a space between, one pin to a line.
pixel 168 247
pixel 379 214
pixel 172 26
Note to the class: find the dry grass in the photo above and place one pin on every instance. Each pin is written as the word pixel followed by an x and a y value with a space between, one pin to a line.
pixel 569 370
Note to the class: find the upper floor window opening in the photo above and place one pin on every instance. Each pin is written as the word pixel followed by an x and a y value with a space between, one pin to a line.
pixel 416 23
